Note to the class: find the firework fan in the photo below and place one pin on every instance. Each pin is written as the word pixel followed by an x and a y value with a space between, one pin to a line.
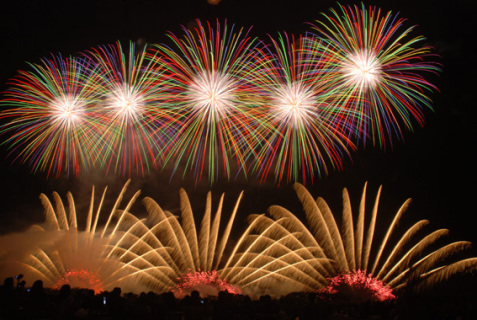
pixel 307 128
pixel 189 254
pixel 130 115
pixel 52 125
pixel 100 256
pixel 378 71
pixel 352 254
pixel 212 97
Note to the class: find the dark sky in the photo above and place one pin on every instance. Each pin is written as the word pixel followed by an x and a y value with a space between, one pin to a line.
pixel 434 166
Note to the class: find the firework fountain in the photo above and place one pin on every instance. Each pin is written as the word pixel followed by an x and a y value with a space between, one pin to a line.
pixel 347 255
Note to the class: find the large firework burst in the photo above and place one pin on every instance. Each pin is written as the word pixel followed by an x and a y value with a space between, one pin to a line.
pixel 52 125
pixel 210 73
pixel 410 262
pixel 303 128
pixel 379 71
pixel 130 112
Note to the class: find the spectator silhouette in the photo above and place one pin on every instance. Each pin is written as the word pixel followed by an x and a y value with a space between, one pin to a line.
pixel 7 299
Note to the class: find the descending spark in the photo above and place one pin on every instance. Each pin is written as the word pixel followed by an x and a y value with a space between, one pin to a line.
pixel 378 70
pixel 304 133
pixel 211 72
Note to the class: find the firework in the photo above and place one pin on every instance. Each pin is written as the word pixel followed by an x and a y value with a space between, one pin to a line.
pixel 51 124
pixel 349 251
pixel 197 259
pixel 210 72
pixel 116 255
pixel 188 251
pixel 304 131
pixel 130 115
pixel 379 71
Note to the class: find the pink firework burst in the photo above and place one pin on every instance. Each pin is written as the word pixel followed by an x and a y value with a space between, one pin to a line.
pixel 80 278
pixel 357 286
pixel 207 283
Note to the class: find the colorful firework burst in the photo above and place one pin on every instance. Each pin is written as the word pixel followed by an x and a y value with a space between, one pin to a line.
pixel 210 75
pixel 379 71
pixel 131 116
pixel 52 125
pixel 304 130
pixel 406 265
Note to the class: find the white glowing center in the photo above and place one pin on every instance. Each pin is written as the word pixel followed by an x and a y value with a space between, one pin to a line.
pixel 212 92
pixel 126 103
pixel 363 69
pixel 67 110
pixel 294 104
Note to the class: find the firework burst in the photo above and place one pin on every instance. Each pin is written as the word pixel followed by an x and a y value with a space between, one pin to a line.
pixel 131 116
pixel 52 125
pixel 304 131
pixel 379 71
pixel 210 73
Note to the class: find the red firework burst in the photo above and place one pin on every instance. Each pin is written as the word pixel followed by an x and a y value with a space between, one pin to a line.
pixel 357 286
pixel 80 278
pixel 207 283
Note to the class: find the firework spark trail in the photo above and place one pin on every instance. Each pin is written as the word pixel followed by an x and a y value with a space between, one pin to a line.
pixel 307 132
pixel 211 71
pixel 131 114
pixel 52 125
pixel 379 71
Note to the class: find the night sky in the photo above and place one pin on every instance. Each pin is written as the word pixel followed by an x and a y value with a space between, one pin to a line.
pixel 435 165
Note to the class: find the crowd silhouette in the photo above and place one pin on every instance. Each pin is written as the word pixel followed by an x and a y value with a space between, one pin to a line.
pixel 17 301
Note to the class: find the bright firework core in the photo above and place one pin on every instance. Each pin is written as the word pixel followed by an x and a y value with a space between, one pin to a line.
pixel 295 104
pixel 126 103
pixel 212 92
pixel 66 110
pixel 363 69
